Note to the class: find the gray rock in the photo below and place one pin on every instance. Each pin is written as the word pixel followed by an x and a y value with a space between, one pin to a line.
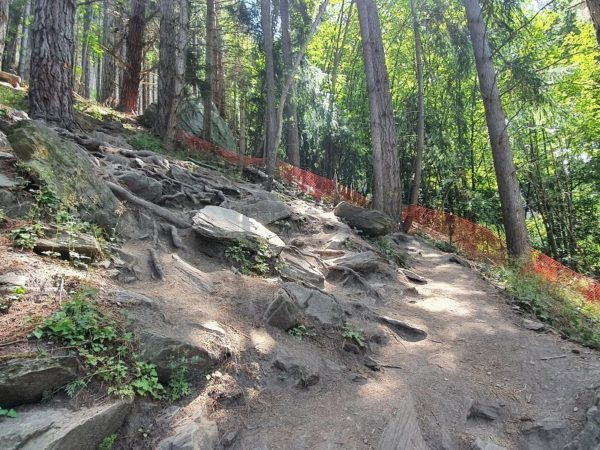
pixel 191 119
pixel 66 169
pixel 52 428
pixel 404 330
pixel 369 221
pixel 130 298
pixel 13 279
pixel 265 211
pixel 480 444
pixel 6 182
pixel 295 267
pixel 26 380
pixel 169 354
pixel 66 244
pixel 5 148
pixel 413 276
pixel 316 304
pixel 533 325
pixel 283 313
pixel 142 185
pixel 483 411
pixel 402 430
pixel 548 434
pixel 364 262
pixel 229 438
pixel 460 261
pixel 302 367
pixel 589 437
pixel 199 434
pixel 4 156
pixel 222 224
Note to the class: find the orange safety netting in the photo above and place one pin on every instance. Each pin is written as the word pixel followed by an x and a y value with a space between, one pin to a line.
pixel 476 241
pixel 317 186
pixel 482 244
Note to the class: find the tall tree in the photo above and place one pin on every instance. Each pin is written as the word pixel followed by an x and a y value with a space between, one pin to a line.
pixel 418 160
pixel 109 67
pixel 4 7
pixel 594 8
pixel 210 62
pixel 84 85
pixel 513 214
pixel 270 119
pixel 292 139
pixel 51 85
pixel 25 50
pixel 387 194
pixel 134 51
pixel 174 21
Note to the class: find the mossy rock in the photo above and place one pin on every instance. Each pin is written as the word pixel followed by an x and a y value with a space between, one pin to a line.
pixel 66 169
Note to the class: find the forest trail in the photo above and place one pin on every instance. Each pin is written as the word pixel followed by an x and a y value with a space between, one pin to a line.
pixel 533 387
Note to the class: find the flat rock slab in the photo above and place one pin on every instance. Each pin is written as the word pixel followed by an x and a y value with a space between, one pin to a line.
pixel 533 325
pixel 214 222
pixel 402 430
pixel 316 304
pixel 413 276
pixel 296 267
pixel 68 244
pixel 263 208
pixel 6 182
pixel 299 365
pixel 369 221
pixel 13 279
pixel 364 262
pixel 404 330
pixel 25 381
pixel 200 433
pixel 547 434
pixel 52 428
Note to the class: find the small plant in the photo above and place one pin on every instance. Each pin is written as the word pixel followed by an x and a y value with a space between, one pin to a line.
pixel 300 332
pixel 46 199
pixel 252 259
pixel 2 216
pixel 144 141
pixel 108 442
pixel 179 386
pixel 20 291
pixel 445 246
pixel 8 413
pixel 355 336
pixel 107 351
pixel 27 236
pixel 392 254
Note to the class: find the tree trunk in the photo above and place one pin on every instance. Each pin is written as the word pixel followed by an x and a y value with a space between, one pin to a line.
pixel 15 17
pixel 4 7
pixel 135 52
pixel 270 119
pixel 594 8
pixel 51 87
pixel 219 70
pixel 109 67
pixel 173 42
pixel 289 118
pixel 508 186
pixel 84 88
pixel 209 65
pixel 387 194
pixel 418 161
pixel 25 51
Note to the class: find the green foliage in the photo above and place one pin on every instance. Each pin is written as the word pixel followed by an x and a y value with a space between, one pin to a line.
pixel 107 351
pixel 11 413
pixel 2 216
pixel 25 237
pixel 561 307
pixel 13 98
pixel 445 246
pixel 301 332
pixel 108 442
pixel 179 385
pixel 251 258
pixel 146 141
pixel 354 335
pixel 391 252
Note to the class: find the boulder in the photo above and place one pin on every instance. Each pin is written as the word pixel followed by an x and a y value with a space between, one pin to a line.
pixel 370 221
pixel 316 304
pixel 66 169
pixel 483 411
pixel 548 434
pixel 265 211
pixel 297 268
pixel 589 437
pixel 198 434
pixel 363 262
pixel 142 185
pixel 169 354
pixel 191 119
pixel 298 365
pixel 67 244
pixel 282 312
pixel 59 428
pixel 214 222
pixel 26 380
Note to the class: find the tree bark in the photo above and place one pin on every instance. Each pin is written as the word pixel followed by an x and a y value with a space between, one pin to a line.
pixel 173 43
pixel 51 86
pixel 15 17
pixel 270 119
pixel 84 89
pixel 208 92
pixel 109 67
pixel 594 9
pixel 508 186
pixel 418 161
pixel 25 51
pixel 387 194
pixel 4 7
pixel 290 113
pixel 134 51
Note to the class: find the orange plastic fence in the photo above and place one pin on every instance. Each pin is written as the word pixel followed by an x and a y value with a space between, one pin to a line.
pixel 474 240
pixel 482 244
pixel 313 184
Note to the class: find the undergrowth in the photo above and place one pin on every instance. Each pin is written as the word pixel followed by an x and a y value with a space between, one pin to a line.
pixel 251 258
pixel 107 351
pixel 561 307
